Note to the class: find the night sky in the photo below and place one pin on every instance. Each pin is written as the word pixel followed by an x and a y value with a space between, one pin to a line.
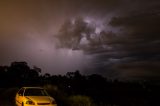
pixel 114 38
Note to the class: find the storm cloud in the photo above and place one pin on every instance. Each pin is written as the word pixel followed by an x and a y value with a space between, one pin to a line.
pixel 129 49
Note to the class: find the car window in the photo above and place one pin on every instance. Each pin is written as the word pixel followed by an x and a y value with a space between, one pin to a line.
pixel 21 91
pixel 35 92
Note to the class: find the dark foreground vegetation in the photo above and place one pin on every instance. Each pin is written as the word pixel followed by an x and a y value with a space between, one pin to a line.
pixel 75 89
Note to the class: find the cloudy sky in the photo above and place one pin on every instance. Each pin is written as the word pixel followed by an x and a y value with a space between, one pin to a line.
pixel 115 38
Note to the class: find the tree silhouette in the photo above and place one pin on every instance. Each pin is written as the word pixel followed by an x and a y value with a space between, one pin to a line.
pixel 94 86
pixel 3 74
pixel 18 74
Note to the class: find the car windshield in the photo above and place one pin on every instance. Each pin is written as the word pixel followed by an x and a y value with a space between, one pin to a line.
pixel 35 92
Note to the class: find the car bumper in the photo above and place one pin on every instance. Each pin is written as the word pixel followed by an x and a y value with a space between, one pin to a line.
pixel 41 105
pixel 18 104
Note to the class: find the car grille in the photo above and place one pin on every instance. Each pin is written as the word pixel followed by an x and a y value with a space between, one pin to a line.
pixel 43 103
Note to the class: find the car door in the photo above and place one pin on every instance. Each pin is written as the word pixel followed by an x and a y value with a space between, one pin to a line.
pixel 19 97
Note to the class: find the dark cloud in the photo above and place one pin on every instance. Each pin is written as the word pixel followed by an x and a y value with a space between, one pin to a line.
pixel 130 48
pixel 138 70
pixel 142 32
pixel 72 32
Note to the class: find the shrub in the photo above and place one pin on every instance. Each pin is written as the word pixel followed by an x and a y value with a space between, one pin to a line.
pixel 79 100
pixel 59 95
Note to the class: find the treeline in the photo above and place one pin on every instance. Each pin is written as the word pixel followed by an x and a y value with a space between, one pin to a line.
pixel 99 89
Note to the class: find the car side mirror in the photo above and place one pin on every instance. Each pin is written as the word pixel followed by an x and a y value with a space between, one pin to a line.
pixel 19 94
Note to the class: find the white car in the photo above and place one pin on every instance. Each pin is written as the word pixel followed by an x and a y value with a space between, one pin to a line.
pixel 34 96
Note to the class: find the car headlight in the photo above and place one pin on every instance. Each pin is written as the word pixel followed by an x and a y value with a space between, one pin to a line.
pixel 30 102
pixel 53 102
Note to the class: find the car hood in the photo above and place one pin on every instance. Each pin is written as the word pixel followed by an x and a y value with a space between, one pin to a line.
pixel 40 98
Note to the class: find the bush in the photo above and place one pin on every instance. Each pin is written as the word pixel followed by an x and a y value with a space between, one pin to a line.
pixel 79 100
pixel 57 94
pixel 9 93
pixel 7 96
